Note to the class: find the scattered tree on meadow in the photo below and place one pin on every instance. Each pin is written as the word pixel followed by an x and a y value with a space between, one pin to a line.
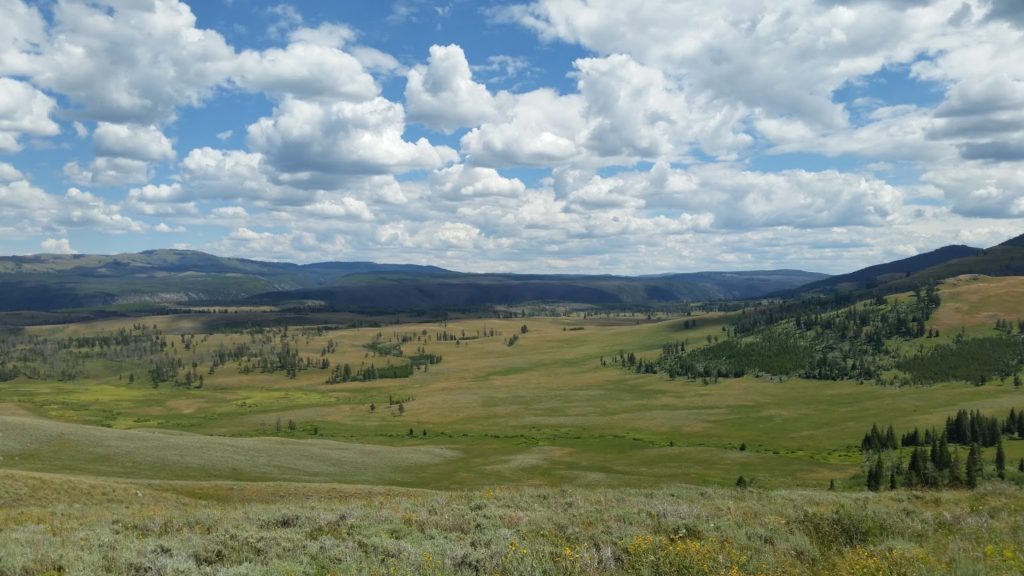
pixel 1000 460
pixel 974 466
pixel 875 474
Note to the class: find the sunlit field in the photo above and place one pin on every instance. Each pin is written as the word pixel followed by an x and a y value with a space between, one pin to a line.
pixel 523 448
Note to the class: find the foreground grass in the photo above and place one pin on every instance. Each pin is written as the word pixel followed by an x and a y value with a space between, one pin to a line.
pixel 61 525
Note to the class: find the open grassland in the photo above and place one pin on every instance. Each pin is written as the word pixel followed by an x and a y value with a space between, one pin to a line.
pixel 976 302
pixel 530 458
pixel 543 411
pixel 51 524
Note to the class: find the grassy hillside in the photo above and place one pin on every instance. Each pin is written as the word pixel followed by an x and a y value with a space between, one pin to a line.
pixel 36 444
pixel 874 276
pixel 1002 260
pixel 975 302
pixel 55 524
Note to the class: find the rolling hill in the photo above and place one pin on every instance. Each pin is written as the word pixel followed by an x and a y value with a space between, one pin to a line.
pixel 1005 259
pixel 57 282
pixel 873 276
pixel 173 277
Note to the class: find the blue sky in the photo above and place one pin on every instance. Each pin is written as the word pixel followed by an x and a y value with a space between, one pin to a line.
pixel 547 136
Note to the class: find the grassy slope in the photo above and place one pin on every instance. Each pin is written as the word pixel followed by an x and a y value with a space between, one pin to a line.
pixel 976 302
pixel 65 525
pixel 874 275
pixel 1002 260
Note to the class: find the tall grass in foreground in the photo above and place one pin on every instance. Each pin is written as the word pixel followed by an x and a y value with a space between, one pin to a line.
pixel 142 529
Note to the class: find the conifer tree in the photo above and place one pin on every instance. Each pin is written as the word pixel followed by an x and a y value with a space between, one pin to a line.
pixel 944 459
pixel 875 474
pixel 917 470
pixel 974 466
pixel 1000 460
pixel 956 470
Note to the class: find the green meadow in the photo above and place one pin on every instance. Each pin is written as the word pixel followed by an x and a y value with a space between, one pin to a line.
pixel 263 469
pixel 543 411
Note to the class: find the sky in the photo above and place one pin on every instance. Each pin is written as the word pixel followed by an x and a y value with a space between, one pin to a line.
pixel 554 136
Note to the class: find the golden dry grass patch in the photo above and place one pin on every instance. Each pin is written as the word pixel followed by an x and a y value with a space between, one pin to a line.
pixel 974 300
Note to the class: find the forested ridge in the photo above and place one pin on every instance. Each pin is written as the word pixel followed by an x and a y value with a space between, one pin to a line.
pixel 834 338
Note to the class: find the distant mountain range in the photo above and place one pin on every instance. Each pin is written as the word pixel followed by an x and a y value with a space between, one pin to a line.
pixel 464 291
pixel 171 278
pixel 182 277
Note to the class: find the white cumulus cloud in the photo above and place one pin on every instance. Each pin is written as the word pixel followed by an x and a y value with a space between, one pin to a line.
pixel 56 246
pixel 443 95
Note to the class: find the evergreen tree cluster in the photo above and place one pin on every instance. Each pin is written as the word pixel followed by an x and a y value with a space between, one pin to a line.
pixel 973 360
pixel 976 428
pixel 932 463
pixel 934 466
pixel 776 351
pixel 966 427
pixel 876 441
pixel 422 358
pixel 1007 327
pixel 65 358
pixel 843 339
pixel 365 373
pixel 837 339
pixel 635 363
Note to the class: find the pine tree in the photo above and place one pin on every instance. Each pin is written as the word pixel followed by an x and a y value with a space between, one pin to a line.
pixel 741 482
pixel 875 474
pixel 1000 460
pixel 944 458
pixel 974 466
pixel 956 471
pixel 917 470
